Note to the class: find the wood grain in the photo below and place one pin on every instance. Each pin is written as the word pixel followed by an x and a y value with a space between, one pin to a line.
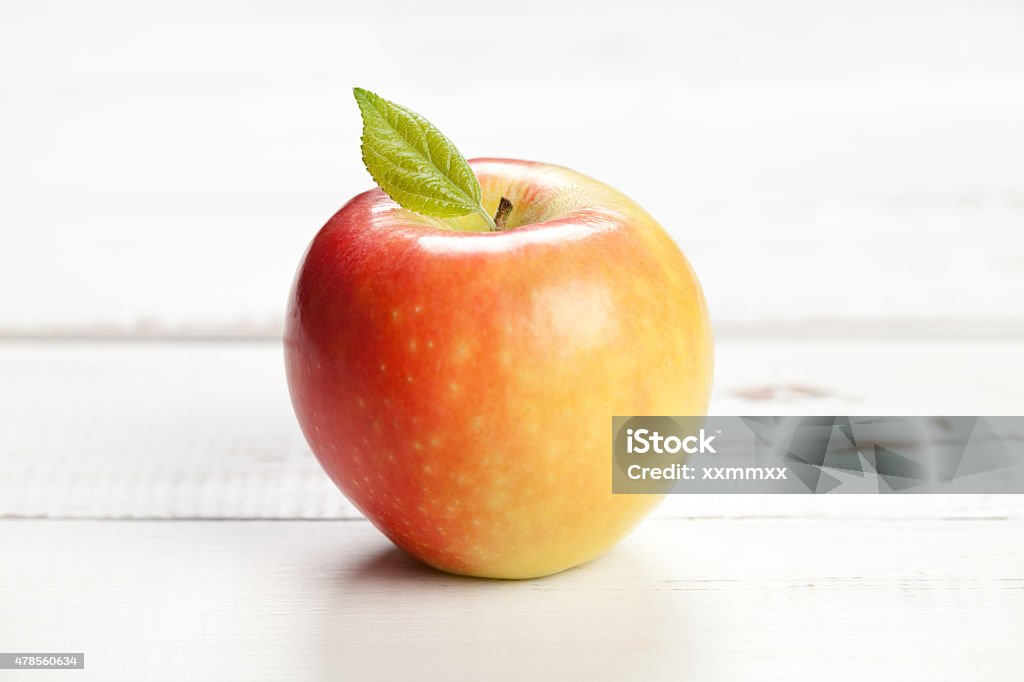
pixel 205 429
pixel 700 600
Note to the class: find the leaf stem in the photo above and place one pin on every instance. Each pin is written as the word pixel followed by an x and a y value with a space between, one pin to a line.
pixel 491 227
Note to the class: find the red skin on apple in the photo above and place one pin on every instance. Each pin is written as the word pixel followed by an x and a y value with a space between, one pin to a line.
pixel 458 386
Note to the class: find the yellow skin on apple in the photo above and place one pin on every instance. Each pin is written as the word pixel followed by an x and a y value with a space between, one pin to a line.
pixel 458 385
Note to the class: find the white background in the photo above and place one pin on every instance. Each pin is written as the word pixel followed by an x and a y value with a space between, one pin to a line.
pixel 847 179
pixel 164 165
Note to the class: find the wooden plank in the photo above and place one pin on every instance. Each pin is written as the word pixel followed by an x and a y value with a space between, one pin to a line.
pixel 833 160
pixel 205 430
pixel 164 430
pixel 701 600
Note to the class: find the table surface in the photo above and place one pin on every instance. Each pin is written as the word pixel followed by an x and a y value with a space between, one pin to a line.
pixel 161 513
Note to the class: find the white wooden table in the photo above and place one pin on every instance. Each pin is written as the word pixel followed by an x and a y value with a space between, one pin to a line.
pixel 847 179
pixel 162 514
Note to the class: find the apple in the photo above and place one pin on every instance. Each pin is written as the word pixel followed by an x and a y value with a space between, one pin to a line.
pixel 459 386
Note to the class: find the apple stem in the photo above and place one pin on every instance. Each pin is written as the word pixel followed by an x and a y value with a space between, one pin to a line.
pixel 501 217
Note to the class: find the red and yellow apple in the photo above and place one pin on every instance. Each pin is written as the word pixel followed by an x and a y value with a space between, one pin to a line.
pixel 458 385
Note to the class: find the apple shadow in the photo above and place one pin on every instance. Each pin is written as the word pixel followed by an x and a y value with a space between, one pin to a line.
pixel 387 611
pixel 392 566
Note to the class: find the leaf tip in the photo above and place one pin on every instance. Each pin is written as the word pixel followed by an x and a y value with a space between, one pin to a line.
pixel 364 98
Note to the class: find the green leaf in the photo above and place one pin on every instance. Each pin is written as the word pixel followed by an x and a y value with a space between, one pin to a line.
pixel 414 162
